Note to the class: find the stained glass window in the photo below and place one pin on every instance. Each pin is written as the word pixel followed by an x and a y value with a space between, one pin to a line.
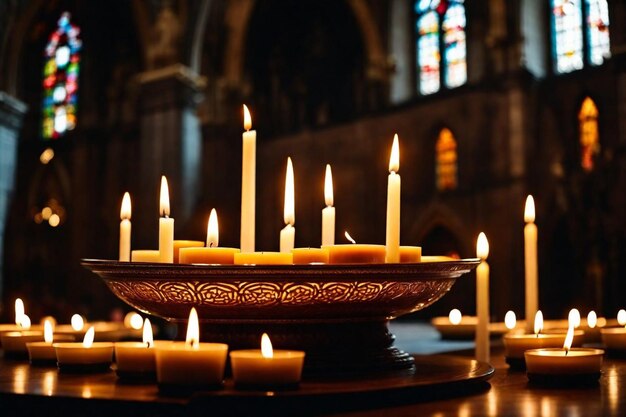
pixel 446 161
pixel 60 79
pixel 589 133
pixel 440 26
pixel 573 19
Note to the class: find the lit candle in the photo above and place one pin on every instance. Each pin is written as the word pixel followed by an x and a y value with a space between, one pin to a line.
pixel 354 253
pixel 393 205
pixel 190 364
pixel 530 259
pixel 615 338
pixel 19 311
pixel 267 368
pixel 248 183
pixel 166 226
pixel 136 360
pixel 86 356
pixel 14 342
pixel 125 228
pixel 510 321
pixel 482 299
pixel 328 213
pixel 212 254
pixel 288 234
pixel 564 366
pixel 43 352
pixel 20 319
pixel 573 318
pixel 455 316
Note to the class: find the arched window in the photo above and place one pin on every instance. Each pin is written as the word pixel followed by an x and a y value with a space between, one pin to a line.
pixel 446 161
pixel 440 26
pixel 60 79
pixel 580 30
pixel 589 133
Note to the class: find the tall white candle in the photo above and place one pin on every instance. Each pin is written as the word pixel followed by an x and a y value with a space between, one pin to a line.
pixel 288 234
pixel 248 184
pixel 125 227
pixel 530 258
pixel 393 205
pixel 166 226
pixel 328 213
pixel 482 299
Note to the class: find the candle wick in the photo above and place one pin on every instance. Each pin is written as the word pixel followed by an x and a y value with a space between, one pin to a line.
pixel 211 244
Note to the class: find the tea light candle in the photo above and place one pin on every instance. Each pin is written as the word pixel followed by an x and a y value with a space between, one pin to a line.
pixel 564 366
pixel 22 321
pixel 125 228
pixel 267 368
pixel 356 253
pixel 14 343
pixel 263 258
pixel 143 255
pixel 86 356
pixel 328 213
pixel 288 234
pixel 212 254
pixel 393 205
pixel 310 255
pixel 136 360
pixel 516 344
pixel 248 183
pixel 410 254
pixel 180 244
pixel 190 364
pixel 166 225
pixel 43 352
pixel 614 338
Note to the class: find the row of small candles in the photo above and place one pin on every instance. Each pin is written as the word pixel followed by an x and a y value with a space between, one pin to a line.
pixel 175 365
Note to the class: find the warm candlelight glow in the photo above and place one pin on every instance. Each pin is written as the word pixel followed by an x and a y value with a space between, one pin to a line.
pixel 510 321
pixel 125 211
pixel 247 119
pixel 193 330
pixel 19 310
pixel 529 210
pixel 48 337
pixel 482 246
pixel 394 158
pixel 147 337
pixel 77 322
pixel 25 322
pixel 266 347
pixel 568 339
pixel 89 336
pixel 213 231
pixel 347 235
pixel 621 317
pixel 289 211
pixel 592 319
pixel 136 321
pixel 328 187
pixel 455 316
pixel 538 322
pixel 573 318
pixel 164 207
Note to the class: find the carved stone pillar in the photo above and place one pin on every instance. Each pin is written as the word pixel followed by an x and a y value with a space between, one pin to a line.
pixel 11 114
pixel 170 145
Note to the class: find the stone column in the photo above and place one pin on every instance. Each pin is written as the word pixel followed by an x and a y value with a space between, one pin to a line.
pixel 170 145
pixel 11 114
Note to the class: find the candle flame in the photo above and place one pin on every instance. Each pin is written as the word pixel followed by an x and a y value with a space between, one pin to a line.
pixel 538 322
pixel 394 158
pixel 328 187
pixel 455 316
pixel 19 310
pixel 510 321
pixel 573 318
pixel 592 319
pixel 567 345
pixel 247 119
pixel 193 330
pixel 77 322
pixel 482 246
pixel 135 321
pixel 601 322
pixel 213 231
pixel 125 211
pixel 621 317
pixel 48 336
pixel 289 211
pixel 347 235
pixel 25 322
pixel 164 208
pixel 266 347
pixel 147 333
pixel 89 336
pixel 529 210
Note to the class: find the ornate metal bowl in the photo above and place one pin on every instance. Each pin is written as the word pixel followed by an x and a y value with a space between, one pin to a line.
pixel 338 313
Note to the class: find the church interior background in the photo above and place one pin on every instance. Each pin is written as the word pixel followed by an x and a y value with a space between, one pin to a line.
pixel 99 98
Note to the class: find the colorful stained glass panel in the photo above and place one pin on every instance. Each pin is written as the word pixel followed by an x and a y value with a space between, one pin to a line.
pixel 428 54
pixel 455 46
pixel 568 35
pixel 598 31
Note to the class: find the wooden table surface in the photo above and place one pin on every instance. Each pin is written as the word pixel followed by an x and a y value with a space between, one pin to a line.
pixel 28 390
